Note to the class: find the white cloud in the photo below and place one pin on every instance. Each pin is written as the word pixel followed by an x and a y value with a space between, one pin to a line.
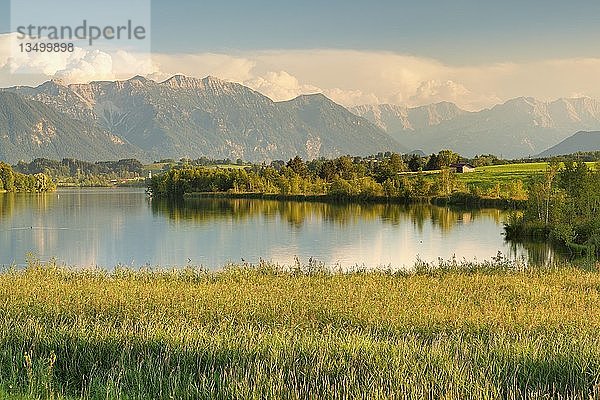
pixel 81 65
pixel 362 77
pixel 280 86
pixel 224 66
pixel 349 77
pixel 351 97
pixel 89 65
pixel 434 91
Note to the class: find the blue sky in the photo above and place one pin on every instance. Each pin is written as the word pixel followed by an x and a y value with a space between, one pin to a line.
pixel 476 53
pixel 457 31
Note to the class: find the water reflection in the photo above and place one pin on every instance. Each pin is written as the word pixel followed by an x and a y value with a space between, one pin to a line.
pixel 12 202
pixel 107 227
pixel 538 253
pixel 296 214
pixel 420 217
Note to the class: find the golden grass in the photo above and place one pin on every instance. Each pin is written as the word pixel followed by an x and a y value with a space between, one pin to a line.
pixel 266 333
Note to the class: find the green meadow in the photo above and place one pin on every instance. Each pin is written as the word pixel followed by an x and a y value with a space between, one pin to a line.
pixel 488 331
pixel 487 176
pixel 493 174
pixel 500 180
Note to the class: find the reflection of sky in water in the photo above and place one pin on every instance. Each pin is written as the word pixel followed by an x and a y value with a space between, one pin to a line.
pixel 106 227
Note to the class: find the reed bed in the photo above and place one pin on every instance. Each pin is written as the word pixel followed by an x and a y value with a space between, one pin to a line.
pixel 263 332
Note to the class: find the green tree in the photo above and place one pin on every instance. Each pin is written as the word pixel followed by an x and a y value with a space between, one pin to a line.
pixel 447 157
pixel 542 194
pixel 444 182
pixel 342 188
pixel 369 188
pixel 422 186
pixel 416 163
pixel 298 166
pixel 389 168
pixel 7 177
pixel 433 163
pixel 328 170
pixel 345 167
pixel 43 183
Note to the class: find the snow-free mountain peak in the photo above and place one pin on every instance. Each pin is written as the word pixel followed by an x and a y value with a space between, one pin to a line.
pixel 189 117
pixel 30 129
pixel 183 82
pixel 516 128
pixel 139 78
pixel 394 118
pixel 580 142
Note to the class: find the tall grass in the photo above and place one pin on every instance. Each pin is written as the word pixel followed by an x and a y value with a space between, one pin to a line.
pixel 264 332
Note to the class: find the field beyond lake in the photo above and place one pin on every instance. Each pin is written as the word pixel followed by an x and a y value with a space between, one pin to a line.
pixel 484 331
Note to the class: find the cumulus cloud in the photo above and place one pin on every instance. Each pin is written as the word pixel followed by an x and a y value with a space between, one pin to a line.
pixel 351 97
pixel 353 77
pixel 361 77
pixel 349 77
pixel 434 91
pixel 90 65
pixel 280 86
pixel 81 65
pixel 224 66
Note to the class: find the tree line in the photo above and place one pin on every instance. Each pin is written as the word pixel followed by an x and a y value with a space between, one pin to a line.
pixel 563 206
pixel 387 177
pixel 70 167
pixel 73 172
pixel 11 181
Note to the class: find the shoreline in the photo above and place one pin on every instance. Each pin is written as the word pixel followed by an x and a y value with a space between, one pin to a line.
pixel 459 199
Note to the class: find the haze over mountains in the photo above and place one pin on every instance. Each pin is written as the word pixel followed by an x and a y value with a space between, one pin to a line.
pixel 188 117
pixel 581 141
pixel 518 128
pixel 29 129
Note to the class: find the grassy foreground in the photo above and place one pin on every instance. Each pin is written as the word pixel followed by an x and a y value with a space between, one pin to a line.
pixel 254 333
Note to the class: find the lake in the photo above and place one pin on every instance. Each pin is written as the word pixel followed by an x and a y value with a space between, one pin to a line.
pixel 108 227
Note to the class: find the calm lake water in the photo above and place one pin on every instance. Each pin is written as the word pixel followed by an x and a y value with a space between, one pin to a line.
pixel 107 227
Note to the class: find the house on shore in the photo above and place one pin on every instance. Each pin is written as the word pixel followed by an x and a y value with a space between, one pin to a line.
pixel 461 168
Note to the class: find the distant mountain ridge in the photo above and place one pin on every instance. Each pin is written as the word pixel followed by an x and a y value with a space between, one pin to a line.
pixel 189 117
pixel 33 128
pixel 392 117
pixel 517 128
pixel 580 142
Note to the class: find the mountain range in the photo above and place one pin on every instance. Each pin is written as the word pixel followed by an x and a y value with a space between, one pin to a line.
pixel 581 141
pixel 30 129
pixel 517 128
pixel 189 117
pixel 180 117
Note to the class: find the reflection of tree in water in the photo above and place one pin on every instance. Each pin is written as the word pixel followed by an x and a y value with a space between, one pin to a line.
pixel 202 210
pixel 12 202
pixel 297 213
pixel 537 253
pixel 7 204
